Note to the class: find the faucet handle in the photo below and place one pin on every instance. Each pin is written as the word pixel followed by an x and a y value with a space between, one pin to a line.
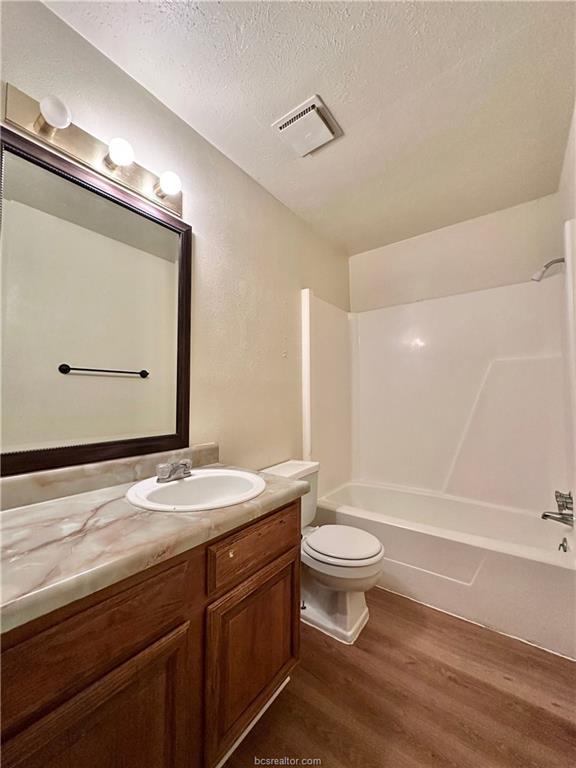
pixel 163 471
pixel 185 467
pixel 564 501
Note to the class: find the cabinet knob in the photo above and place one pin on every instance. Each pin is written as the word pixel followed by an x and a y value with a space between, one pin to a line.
pixel 231 553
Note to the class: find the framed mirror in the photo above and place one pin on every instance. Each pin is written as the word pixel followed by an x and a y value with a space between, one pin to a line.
pixel 95 307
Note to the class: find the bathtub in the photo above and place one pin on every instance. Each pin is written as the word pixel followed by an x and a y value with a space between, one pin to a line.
pixel 497 566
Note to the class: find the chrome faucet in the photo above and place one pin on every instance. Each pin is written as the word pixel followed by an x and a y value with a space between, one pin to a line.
pixel 174 471
pixel 565 514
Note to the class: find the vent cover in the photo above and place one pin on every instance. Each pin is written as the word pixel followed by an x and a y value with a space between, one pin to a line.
pixel 308 127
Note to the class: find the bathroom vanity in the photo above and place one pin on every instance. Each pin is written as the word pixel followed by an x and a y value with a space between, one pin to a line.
pixel 167 665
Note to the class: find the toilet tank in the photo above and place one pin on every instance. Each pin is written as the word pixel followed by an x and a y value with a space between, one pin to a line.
pixel 301 470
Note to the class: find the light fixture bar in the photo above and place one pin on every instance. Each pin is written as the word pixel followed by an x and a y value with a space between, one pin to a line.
pixel 21 111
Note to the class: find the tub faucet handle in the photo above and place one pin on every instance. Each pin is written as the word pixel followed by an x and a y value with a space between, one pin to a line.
pixel 565 512
pixel 564 501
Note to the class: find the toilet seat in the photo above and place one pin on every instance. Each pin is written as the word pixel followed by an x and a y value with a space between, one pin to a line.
pixel 343 545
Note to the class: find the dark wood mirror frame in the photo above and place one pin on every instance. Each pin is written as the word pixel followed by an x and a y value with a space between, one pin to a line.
pixel 51 458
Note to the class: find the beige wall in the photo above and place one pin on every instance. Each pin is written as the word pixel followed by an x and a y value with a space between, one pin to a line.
pixel 251 255
pixel 501 248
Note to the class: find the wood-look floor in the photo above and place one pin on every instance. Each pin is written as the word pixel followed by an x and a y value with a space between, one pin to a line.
pixel 420 689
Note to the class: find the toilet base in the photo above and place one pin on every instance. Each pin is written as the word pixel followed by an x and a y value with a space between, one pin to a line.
pixel 341 615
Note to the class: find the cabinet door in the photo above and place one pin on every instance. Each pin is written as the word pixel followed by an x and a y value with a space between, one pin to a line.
pixel 134 717
pixel 252 644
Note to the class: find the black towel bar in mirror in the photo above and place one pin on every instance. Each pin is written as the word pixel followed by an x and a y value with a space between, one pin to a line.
pixel 65 368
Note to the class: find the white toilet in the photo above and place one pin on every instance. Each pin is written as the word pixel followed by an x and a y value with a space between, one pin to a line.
pixel 339 564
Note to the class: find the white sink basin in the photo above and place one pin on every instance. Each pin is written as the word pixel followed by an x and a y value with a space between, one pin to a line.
pixel 204 489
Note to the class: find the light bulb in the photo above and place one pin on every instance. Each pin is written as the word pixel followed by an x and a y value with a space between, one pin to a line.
pixel 54 116
pixel 169 184
pixel 120 153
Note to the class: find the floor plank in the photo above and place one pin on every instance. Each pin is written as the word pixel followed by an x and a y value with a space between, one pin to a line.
pixel 420 689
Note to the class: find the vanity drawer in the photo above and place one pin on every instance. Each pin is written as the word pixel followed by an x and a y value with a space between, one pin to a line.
pixel 236 557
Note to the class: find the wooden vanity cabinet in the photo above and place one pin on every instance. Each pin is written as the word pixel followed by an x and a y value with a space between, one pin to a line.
pixel 163 670
pixel 252 643
pixel 134 715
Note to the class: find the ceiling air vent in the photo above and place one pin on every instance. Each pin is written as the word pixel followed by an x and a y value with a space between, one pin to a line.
pixel 308 126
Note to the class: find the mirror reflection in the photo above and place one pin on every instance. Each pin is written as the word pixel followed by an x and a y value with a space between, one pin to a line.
pixel 89 284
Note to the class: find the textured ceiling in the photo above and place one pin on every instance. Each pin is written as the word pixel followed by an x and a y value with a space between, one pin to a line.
pixel 449 110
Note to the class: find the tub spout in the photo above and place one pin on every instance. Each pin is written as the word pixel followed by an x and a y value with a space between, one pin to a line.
pixel 565 514
pixel 560 517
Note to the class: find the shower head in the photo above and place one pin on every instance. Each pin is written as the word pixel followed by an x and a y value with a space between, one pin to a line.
pixel 537 276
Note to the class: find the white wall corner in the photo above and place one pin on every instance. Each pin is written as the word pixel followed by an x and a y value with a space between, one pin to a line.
pixel 567 186
pixel 570 287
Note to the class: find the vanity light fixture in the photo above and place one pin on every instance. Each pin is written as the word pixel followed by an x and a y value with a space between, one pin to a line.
pixel 168 184
pixel 46 120
pixel 120 154
pixel 54 116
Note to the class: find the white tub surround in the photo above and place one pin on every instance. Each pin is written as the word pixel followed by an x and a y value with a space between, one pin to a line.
pixel 497 566
pixel 58 551
pixel 326 390
pixel 570 289
pixel 465 395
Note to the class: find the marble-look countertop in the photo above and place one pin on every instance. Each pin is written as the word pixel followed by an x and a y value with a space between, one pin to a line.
pixel 58 551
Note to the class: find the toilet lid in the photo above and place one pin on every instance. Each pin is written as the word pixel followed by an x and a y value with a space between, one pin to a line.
pixel 343 542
